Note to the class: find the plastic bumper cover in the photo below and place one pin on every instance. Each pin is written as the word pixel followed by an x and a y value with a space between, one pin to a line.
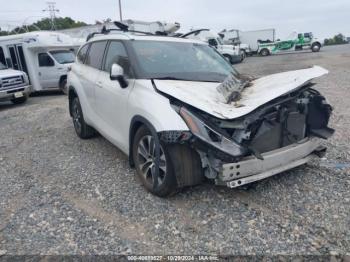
pixel 252 169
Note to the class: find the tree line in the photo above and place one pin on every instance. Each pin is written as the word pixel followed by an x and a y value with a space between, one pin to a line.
pixel 338 39
pixel 60 23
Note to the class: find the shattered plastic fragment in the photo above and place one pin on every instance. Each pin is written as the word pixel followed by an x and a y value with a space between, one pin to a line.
pixel 232 87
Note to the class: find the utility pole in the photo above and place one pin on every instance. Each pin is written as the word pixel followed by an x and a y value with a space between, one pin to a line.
pixel 51 8
pixel 120 11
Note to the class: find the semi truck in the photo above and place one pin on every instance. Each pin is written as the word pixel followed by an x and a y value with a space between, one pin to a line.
pixel 230 52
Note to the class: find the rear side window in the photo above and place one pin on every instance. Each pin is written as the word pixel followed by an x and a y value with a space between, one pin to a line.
pixel 95 56
pixel 45 60
pixel 116 54
pixel 82 54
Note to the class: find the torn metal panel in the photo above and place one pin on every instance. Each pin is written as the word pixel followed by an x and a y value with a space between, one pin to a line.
pixel 205 96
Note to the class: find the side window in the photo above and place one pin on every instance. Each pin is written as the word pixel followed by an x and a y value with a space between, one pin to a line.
pixel 45 60
pixel 2 56
pixel 95 56
pixel 116 54
pixel 82 54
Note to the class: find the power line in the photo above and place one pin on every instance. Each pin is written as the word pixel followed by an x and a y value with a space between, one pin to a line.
pixel 51 8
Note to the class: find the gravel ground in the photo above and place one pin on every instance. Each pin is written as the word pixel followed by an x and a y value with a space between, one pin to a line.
pixel 63 195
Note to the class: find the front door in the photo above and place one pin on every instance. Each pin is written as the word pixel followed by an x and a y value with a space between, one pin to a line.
pixel 48 75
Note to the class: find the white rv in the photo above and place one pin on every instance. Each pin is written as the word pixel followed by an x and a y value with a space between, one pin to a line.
pixel 44 56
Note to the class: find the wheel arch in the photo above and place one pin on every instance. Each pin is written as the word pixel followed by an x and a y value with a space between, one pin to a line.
pixel 62 78
pixel 136 122
pixel 72 93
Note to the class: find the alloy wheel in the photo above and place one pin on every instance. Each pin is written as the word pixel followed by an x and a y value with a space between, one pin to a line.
pixel 146 153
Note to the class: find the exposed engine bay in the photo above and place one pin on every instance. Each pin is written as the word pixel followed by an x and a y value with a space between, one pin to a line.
pixel 288 120
pixel 240 138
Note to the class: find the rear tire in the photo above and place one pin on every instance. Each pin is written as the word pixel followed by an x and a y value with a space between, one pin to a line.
pixel 18 101
pixel 144 156
pixel 82 129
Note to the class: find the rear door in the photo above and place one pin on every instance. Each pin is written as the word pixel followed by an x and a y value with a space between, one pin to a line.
pixel 111 99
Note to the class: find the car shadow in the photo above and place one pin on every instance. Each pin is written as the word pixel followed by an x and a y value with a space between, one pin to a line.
pixel 8 105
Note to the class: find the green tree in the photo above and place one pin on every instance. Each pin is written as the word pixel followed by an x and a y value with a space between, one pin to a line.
pixel 46 24
pixel 338 39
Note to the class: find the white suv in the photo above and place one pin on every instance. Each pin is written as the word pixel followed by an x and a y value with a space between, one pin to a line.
pixel 182 114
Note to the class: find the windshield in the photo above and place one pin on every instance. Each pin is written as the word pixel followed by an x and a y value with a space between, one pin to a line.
pixel 2 66
pixel 63 56
pixel 179 60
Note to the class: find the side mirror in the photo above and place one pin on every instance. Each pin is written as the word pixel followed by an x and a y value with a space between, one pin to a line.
pixel 117 74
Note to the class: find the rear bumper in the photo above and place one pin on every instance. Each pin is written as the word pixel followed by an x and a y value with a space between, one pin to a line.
pixel 10 93
pixel 252 169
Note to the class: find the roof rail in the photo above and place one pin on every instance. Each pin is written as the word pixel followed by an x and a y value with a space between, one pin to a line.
pixel 121 27
pixel 194 32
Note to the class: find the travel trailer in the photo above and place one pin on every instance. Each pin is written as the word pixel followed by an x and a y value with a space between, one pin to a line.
pixel 44 56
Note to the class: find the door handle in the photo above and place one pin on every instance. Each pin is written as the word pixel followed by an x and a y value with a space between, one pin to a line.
pixel 99 84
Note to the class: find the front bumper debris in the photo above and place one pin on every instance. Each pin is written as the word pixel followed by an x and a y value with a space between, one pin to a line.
pixel 251 169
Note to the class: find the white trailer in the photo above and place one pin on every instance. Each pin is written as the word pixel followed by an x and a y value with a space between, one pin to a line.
pixel 44 56
pixel 232 53
pixel 152 27
pixel 249 40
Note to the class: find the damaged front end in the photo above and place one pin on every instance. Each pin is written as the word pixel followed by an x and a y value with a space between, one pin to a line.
pixel 280 135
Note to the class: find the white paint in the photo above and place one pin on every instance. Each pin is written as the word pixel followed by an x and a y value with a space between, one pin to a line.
pixel 204 96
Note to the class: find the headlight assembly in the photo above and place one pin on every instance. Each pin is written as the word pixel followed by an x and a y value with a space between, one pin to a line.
pixel 210 136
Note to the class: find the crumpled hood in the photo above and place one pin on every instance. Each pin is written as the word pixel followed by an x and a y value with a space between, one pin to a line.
pixel 204 95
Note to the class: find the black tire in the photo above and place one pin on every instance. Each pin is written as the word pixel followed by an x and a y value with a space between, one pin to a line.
pixel 82 129
pixel 316 47
pixel 64 86
pixel 20 100
pixel 229 58
pixel 243 56
pixel 265 52
pixel 167 184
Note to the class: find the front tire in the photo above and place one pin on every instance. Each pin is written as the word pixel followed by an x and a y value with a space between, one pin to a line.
pixel 64 86
pixel 144 159
pixel 265 52
pixel 82 129
pixel 229 58
pixel 316 47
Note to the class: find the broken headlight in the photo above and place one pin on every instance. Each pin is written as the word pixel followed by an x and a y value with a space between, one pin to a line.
pixel 206 134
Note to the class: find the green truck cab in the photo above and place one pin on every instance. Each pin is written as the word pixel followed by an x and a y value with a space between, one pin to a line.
pixel 296 42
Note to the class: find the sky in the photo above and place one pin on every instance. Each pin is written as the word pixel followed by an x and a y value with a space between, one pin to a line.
pixel 322 17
